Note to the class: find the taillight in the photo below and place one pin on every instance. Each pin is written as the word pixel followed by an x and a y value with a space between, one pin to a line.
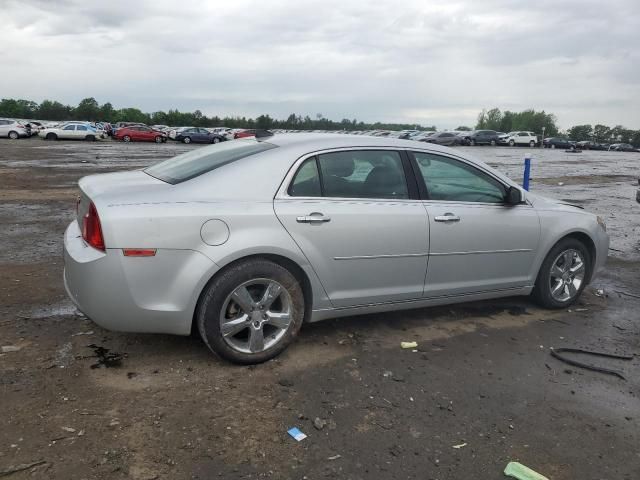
pixel 91 229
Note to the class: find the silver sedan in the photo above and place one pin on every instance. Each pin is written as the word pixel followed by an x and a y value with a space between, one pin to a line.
pixel 247 240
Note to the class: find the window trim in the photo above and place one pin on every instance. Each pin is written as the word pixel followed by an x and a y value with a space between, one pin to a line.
pixel 410 178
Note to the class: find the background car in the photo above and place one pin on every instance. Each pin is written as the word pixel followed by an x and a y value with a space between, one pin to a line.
pixel 12 129
pixel 198 135
pixel 622 147
pixel 72 131
pixel 557 142
pixel 521 138
pixel 139 133
pixel 321 226
pixel 245 133
pixel 483 137
pixel 589 145
pixel 443 138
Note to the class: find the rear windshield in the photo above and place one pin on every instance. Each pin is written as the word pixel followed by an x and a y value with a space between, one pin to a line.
pixel 202 160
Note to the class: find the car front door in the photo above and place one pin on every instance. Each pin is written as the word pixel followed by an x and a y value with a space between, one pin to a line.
pixel 478 243
pixel 68 132
pixel 360 224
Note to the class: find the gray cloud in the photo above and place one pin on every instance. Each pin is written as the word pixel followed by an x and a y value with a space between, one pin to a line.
pixel 424 62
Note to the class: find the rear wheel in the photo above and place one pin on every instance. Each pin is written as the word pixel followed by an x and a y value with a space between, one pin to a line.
pixel 13 135
pixel 563 274
pixel 126 138
pixel 186 140
pixel 251 312
pixel 51 136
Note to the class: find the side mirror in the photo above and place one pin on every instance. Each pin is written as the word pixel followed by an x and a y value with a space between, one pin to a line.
pixel 513 196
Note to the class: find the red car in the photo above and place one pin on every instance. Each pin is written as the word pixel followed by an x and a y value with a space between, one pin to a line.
pixel 139 133
pixel 245 133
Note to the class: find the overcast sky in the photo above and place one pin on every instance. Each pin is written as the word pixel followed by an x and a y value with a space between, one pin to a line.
pixel 399 61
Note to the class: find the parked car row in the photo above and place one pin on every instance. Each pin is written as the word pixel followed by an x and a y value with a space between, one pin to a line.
pixel 139 132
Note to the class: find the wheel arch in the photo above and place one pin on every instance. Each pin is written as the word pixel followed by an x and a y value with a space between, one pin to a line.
pixel 582 237
pixel 291 265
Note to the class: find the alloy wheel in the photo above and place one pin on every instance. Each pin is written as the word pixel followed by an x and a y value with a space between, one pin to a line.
pixel 567 275
pixel 256 315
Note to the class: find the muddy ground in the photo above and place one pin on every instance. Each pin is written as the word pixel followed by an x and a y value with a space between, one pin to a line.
pixel 482 376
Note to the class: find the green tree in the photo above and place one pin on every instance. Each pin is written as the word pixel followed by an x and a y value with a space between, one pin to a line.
pixel 88 109
pixel 581 132
pixel 601 133
pixel 52 110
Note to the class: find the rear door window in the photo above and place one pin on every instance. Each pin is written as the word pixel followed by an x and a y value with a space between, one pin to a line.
pixel 363 174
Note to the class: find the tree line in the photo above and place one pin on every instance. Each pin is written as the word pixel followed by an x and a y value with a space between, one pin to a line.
pixel 90 110
pixel 494 119
pixel 533 121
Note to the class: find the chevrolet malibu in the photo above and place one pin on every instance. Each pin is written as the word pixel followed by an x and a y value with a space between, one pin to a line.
pixel 245 241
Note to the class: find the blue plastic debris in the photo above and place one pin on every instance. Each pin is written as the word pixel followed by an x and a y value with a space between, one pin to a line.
pixel 296 434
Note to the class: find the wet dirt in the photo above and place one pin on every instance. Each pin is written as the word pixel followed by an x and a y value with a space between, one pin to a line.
pixel 481 374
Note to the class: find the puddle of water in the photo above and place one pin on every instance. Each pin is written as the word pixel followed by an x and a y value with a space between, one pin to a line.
pixel 64 309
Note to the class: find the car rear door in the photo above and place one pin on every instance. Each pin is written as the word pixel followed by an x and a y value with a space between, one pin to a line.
pixel 356 215
pixel 477 242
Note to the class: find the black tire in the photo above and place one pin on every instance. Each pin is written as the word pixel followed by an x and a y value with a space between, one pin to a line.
pixel 512 143
pixel 473 143
pixel 126 138
pixel 553 145
pixel 186 140
pixel 542 289
pixel 216 292
pixel 51 136
pixel 532 144
pixel 493 143
pixel 90 138
pixel 158 139
pixel 215 140
pixel 13 135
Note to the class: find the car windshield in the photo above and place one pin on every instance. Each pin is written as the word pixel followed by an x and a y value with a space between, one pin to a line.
pixel 192 164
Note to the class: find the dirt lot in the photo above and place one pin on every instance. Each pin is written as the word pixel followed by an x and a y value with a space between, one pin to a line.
pixel 482 376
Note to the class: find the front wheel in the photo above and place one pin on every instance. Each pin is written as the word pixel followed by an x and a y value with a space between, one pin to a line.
pixel 563 274
pixel 158 139
pixel 553 145
pixel 532 144
pixel 493 143
pixel 512 143
pixel 186 140
pixel 90 138
pixel 51 136
pixel 251 312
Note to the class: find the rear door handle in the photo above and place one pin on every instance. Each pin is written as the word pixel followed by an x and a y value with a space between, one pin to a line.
pixel 313 218
pixel 447 217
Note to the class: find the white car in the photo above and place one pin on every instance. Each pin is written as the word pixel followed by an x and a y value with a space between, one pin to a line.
pixel 72 131
pixel 224 131
pixel 175 131
pixel 12 129
pixel 521 138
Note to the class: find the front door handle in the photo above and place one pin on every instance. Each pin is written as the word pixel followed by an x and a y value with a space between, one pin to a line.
pixel 313 218
pixel 447 217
